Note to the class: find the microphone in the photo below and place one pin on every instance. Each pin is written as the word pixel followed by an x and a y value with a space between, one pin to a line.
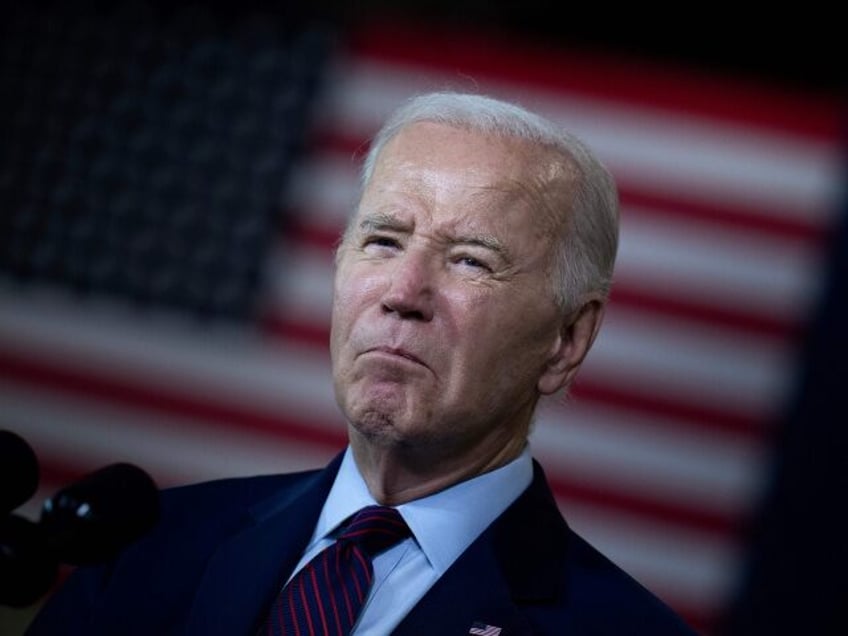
pixel 18 471
pixel 85 523
pixel 91 520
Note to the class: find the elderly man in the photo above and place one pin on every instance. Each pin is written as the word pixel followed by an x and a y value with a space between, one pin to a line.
pixel 470 281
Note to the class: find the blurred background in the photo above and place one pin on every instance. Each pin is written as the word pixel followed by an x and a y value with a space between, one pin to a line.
pixel 173 180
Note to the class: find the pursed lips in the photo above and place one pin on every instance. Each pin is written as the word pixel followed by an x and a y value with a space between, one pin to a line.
pixel 397 352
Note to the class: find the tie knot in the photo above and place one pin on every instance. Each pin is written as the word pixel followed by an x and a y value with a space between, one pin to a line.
pixel 375 528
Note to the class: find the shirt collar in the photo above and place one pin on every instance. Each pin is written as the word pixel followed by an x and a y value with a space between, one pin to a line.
pixel 444 524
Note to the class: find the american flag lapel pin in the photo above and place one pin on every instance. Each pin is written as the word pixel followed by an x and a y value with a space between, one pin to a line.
pixel 482 629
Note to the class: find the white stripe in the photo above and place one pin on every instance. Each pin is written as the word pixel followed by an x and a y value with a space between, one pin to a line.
pixel 324 189
pixel 300 284
pixel 652 457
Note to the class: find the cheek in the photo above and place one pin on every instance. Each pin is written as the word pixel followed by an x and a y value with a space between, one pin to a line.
pixel 353 293
pixel 475 329
pixel 509 333
pixel 355 284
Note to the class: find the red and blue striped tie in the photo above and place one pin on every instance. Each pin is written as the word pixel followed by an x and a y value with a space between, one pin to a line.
pixel 325 597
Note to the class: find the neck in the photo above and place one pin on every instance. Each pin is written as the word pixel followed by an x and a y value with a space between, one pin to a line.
pixel 398 474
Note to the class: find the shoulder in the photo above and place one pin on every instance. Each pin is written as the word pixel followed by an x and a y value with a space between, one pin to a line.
pixel 216 508
pixel 603 594
pixel 588 592
pixel 241 492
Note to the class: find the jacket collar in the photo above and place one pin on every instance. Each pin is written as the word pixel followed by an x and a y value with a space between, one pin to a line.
pixel 250 568
pixel 517 561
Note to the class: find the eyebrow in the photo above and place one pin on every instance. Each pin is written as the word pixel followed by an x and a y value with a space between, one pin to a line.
pixel 381 222
pixel 486 242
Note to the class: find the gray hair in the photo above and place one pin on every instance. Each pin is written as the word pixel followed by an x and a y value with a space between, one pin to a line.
pixel 585 260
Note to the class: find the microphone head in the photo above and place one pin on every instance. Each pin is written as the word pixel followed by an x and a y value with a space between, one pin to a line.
pixel 91 520
pixel 18 471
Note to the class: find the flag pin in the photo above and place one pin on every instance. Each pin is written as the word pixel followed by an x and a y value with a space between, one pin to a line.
pixel 482 629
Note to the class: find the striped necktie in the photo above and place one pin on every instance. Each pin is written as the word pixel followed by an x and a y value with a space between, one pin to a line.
pixel 326 596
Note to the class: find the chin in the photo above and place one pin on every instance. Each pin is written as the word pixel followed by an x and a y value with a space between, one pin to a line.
pixel 383 426
pixel 377 428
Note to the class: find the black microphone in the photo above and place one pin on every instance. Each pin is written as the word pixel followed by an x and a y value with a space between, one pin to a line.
pixel 85 523
pixel 18 471
pixel 92 519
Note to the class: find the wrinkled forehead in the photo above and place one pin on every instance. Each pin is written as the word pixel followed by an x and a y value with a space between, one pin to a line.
pixel 426 157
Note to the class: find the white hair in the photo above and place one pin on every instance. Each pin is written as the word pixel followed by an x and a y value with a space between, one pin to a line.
pixel 585 260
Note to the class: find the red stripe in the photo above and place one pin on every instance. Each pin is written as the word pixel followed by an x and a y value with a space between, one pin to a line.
pixel 464 54
pixel 684 515
pixel 797 225
pixel 315 333
pixel 694 416
pixel 325 562
pixel 345 595
pixel 319 237
pixel 317 597
pixel 59 471
pixel 703 312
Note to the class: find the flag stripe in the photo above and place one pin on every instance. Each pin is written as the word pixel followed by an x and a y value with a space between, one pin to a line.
pixel 611 78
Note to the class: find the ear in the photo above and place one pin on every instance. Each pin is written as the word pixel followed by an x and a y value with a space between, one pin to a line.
pixel 574 340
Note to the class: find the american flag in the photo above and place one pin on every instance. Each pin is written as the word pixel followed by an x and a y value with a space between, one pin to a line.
pixel 659 456
pixel 481 629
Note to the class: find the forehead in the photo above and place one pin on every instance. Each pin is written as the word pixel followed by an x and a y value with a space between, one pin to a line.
pixel 458 171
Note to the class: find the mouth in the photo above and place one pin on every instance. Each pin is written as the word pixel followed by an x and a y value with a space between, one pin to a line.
pixel 397 353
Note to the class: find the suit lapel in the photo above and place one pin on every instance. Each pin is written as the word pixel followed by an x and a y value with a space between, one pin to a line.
pixel 517 561
pixel 245 572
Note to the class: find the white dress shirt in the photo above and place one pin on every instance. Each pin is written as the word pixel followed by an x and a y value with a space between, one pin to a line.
pixel 443 525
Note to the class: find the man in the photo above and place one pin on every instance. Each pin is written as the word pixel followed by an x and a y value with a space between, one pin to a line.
pixel 471 281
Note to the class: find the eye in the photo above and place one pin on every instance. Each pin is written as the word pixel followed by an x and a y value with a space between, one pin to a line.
pixel 377 241
pixel 473 263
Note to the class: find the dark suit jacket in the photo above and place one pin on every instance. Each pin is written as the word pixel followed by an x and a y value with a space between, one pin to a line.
pixel 222 549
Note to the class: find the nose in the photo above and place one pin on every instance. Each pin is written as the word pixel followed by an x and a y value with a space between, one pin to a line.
pixel 410 289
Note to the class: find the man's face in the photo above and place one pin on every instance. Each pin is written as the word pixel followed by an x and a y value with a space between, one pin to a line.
pixel 444 317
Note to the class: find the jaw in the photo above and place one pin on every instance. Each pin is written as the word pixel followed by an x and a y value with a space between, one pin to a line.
pixel 400 463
